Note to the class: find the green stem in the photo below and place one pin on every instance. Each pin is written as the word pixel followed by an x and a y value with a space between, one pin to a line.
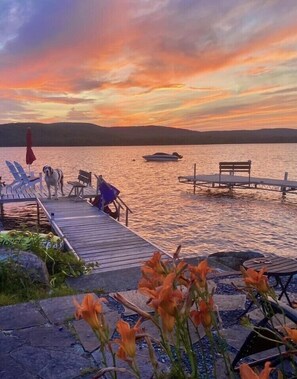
pixel 167 349
pixel 135 369
pixel 113 359
pixel 187 341
pixel 102 350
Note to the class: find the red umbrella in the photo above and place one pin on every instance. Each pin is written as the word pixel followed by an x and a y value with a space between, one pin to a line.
pixel 30 157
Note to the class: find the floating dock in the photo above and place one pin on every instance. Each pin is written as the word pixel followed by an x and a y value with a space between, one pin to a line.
pixel 223 181
pixel 96 237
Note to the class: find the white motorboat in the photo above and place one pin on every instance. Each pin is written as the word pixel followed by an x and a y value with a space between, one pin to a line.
pixel 163 157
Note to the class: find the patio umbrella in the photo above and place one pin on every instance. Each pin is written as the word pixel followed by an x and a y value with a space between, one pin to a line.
pixel 30 157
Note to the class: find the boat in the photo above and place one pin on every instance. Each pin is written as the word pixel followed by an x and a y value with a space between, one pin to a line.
pixel 163 157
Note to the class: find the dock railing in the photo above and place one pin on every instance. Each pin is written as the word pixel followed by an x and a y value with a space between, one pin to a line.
pixel 124 206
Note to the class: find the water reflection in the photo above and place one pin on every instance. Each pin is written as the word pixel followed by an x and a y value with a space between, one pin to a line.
pixel 167 212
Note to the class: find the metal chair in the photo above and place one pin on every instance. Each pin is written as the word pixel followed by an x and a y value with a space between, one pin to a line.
pixel 265 336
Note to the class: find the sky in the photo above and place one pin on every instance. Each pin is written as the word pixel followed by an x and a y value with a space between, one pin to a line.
pixel 193 64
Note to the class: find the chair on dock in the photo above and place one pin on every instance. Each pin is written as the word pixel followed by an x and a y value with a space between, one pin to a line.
pixel 20 177
pixel 14 173
pixel 107 194
pixel 27 179
pixel 84 180
pixel 268 334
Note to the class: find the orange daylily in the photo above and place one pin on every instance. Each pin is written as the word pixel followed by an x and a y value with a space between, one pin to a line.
pixel 166 300
pixel 204 314
pixel 291 334
pixel 153 272
pixel 179 270
pixel 89 310
pixel 154 265
pixel 247 373
pixel 128 337
pixel 256 279
pixel 199 273
pixel 169 298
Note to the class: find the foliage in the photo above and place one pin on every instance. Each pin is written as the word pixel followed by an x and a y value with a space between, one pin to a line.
pixel 17 286
pixel 178 294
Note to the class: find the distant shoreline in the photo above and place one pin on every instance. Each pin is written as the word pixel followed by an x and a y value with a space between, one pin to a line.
pixel 84 134
pixel 178 144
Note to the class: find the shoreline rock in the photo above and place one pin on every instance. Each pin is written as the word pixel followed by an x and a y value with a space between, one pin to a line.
pixel 232 259
pixel 28 263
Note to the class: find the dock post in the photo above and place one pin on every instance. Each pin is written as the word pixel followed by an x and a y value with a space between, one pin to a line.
pixel 127 217
pixel 284 188
pixel 1 211
pixel 38 214
pixel 194 178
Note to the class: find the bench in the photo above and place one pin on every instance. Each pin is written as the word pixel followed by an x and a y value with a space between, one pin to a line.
pixel 232 167
pixel 84 180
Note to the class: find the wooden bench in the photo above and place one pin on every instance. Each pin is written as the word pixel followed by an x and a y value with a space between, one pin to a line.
pixel 84 180
pixel 233 167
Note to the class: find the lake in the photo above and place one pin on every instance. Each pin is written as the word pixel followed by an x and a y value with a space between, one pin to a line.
pixel 167 212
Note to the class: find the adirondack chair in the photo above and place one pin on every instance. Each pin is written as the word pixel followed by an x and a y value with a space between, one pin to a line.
pixel 27 180
pixel 20 177
pixel 263 338
pixel 17 180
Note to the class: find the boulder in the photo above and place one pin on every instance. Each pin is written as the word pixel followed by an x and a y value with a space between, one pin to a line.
pixel 233 259
pixel 29 263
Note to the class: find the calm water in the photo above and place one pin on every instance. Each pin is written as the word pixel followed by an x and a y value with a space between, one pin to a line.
pixel 167 212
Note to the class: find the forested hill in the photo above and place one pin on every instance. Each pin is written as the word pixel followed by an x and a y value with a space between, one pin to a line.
pixel 84 134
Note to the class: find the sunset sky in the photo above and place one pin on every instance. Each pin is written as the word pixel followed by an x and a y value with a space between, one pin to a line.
pixel 194 64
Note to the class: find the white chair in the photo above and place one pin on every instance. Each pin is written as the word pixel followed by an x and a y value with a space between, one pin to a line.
pixel 17 180
pixel 20 177
pixel 27 180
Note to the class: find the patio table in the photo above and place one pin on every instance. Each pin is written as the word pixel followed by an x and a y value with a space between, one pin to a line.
pixel 281 269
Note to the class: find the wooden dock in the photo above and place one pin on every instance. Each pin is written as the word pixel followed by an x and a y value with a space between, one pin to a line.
pixel 91 234
pixel 25 194
pixel 96 237
pixel 230 181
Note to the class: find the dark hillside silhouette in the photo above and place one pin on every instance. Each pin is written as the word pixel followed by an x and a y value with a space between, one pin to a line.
pixel 86 134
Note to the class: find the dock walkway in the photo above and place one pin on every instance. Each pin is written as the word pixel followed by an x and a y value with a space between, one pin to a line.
pixel 96 237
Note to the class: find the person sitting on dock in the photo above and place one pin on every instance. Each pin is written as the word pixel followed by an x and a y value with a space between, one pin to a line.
pixel 108 194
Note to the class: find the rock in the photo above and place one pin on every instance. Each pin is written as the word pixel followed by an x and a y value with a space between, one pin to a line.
pixel 29 264
pixel 233 259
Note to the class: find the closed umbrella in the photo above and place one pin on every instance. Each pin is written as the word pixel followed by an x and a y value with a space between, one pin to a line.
pixel 30 157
